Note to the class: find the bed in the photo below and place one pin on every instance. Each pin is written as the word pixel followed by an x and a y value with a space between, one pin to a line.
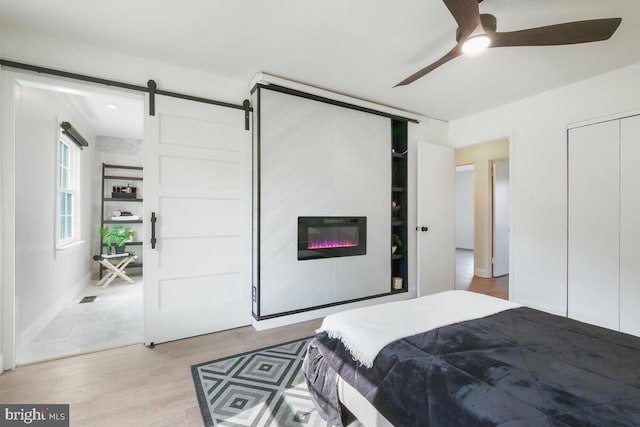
pixel 475 361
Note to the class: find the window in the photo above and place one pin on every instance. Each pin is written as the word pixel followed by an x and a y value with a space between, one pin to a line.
pixel 67 194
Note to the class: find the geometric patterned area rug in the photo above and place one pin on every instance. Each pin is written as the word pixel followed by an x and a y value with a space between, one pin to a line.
pixel 260 388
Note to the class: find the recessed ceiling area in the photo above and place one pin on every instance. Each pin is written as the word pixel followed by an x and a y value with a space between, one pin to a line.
pixel 359 47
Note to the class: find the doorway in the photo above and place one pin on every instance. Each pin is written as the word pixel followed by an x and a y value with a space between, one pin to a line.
pixel 476 268
pixel 58 204
pixel 210 138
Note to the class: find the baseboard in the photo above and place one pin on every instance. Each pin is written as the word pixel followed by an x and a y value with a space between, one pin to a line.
pixel 481 272
pixel 30 332
pixel 261 325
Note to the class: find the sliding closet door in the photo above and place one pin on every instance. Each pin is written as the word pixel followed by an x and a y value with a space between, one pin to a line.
pixel 630 225
pixel 593 224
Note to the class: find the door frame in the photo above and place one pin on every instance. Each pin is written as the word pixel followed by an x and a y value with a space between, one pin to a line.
pixel 9 79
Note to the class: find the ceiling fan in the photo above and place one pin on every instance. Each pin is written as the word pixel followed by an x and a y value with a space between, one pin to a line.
pixel 477 32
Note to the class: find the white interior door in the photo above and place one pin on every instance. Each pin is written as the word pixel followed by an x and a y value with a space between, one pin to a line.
pixel 500 217
pixel 594 224
pixel 197 182
pixel 436 218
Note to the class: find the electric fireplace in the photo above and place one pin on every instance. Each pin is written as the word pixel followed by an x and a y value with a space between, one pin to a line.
pixel 331 236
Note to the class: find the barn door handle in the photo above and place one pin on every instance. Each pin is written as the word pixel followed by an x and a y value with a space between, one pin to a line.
pixel 153 230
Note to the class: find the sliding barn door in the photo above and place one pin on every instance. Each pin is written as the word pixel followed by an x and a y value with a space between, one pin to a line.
pixel 197 185
pixel 436 218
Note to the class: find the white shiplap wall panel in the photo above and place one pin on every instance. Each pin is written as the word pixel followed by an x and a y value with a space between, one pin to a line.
pixel 319 159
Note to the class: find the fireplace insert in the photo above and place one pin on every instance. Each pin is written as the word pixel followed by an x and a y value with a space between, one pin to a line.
pixel 331 236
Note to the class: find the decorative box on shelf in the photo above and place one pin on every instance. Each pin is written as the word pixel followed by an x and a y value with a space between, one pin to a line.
pixel 127 192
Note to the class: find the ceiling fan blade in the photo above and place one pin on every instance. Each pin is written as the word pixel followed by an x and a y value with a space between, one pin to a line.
pixel 559 34
pixel 466 13
pixel 455 52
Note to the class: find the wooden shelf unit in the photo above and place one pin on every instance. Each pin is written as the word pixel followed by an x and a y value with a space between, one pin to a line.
pixel 106 178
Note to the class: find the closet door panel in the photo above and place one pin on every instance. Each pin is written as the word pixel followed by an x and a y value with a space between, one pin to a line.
pixel 630 225
pixel 593 224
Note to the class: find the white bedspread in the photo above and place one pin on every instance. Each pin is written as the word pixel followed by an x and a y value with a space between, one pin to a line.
pixel 365 331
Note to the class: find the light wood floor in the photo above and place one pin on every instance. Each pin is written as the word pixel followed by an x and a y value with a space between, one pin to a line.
pixel 135 385
pixel 138 386
pixel 466 280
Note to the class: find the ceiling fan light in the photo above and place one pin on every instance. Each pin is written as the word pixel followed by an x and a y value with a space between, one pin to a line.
pixel 476 44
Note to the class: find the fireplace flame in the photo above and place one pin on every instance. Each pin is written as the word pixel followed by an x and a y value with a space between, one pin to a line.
pixel 328 244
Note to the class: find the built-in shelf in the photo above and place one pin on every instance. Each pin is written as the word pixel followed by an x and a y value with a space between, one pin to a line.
pixel 114 221
pixel 120 199
pixel 399 183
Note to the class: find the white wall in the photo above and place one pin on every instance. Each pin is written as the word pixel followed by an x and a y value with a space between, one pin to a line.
pixel 537 129
pixel 464 209
pixel 433 131
pixel 46 278
pixel 6 295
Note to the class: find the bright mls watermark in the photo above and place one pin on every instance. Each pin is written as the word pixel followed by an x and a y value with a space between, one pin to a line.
pixel 34 415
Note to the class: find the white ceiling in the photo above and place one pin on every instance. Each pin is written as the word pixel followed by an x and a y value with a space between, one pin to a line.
pixel 358 47
pixel 126 121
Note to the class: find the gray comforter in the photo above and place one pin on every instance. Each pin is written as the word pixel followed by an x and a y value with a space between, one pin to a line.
pixel 520 367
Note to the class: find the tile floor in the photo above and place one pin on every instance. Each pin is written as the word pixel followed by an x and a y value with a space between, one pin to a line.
pixel 114 319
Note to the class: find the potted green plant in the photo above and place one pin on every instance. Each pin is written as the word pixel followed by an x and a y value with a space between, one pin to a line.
pixel 116 236
pixel 395 243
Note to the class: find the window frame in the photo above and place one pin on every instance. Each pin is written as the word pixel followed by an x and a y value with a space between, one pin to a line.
pixel 71 189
